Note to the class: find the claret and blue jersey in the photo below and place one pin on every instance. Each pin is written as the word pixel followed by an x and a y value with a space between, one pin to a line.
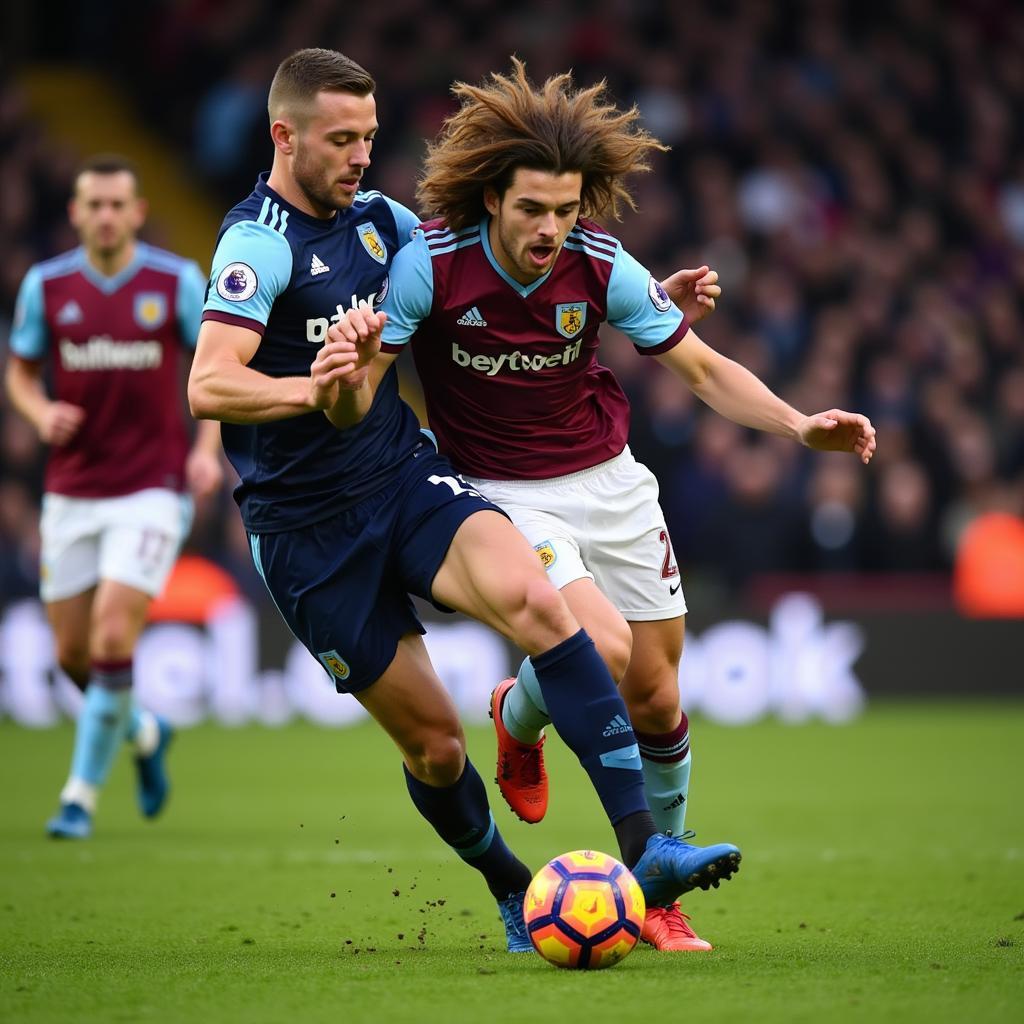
pixel 114 346
pixel 513 387
pixel 283 274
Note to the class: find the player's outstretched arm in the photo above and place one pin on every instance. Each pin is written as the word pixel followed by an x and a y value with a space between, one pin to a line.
pixel 733 391
pixel 56 422
pixel 694 292
pixel 221 386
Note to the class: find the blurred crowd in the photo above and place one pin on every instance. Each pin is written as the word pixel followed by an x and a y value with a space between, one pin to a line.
pixel 854 173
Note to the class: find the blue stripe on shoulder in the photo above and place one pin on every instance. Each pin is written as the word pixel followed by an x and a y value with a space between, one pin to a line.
pixel 451 244
pixel 58 266
pixel 597 254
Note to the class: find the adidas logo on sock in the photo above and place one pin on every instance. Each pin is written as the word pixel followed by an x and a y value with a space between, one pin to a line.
pixel 678 802
pixel 317 266
pixel 472 318
pixel 616 726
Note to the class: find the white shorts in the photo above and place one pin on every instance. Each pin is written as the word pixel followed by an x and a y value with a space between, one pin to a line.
pixel 132 539
pixel 603 524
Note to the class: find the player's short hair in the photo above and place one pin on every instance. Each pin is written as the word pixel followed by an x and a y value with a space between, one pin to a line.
pixel 506 124
pixel 109 163
pixel 307 72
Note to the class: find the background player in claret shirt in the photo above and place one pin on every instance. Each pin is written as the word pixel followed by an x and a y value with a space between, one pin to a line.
pixel 111 318
pixel 502 297
pixel 348 508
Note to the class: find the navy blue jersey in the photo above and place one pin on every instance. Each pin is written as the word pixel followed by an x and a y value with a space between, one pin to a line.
pixel 286 275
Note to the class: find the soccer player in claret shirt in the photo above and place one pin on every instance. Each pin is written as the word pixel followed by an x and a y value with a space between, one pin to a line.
pixel 111 319
pixel 502 297
pixel 348 507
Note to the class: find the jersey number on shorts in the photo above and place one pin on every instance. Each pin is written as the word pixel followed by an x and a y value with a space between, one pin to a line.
pixel 669 569
pixel 457 486
pixel 152 546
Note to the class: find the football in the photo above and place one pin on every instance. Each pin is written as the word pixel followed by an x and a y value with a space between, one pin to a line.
pixel 584 910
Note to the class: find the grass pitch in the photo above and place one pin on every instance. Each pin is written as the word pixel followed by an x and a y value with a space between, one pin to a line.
pixel 290 879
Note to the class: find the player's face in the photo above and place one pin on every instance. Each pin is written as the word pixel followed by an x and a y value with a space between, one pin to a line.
pixel 106 211
pixel 332 149
pixel 530 221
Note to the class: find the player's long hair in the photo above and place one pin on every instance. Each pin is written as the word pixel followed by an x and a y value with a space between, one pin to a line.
pixel 506 124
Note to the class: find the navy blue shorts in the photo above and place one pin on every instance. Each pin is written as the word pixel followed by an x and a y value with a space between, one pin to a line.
pixel 343 584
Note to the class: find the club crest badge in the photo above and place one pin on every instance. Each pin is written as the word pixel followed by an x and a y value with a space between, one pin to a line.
pixel 150 310
pixel 570 318
pixel 335 664
pixel 546 550
pixel 372 243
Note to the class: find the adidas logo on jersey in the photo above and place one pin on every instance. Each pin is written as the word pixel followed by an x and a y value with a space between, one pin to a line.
pixel 472 318
pixel 317 266
pixel 617 726
pixel 70 313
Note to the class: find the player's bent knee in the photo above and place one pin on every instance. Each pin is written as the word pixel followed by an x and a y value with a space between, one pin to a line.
pixel 438 759
pixel 545 618
pixel 655 709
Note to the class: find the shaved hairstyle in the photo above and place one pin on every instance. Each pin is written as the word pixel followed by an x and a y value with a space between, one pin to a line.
pixel 108 163
pixel 307 72
pixel 506 124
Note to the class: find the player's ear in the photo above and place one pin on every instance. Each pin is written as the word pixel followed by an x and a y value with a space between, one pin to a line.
pixel 492 201
pixel 283 135
pixel 73 211
pixel 141 211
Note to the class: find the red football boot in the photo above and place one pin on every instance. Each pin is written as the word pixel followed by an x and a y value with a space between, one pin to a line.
pixel 521 776
pixel 669 928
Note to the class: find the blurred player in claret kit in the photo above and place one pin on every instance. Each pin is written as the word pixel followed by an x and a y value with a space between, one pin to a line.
pixel 348 507
pixel 110 319
pixel 502 297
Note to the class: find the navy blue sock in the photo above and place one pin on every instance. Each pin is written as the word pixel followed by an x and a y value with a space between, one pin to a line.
pixel 461 816
pixel 590 716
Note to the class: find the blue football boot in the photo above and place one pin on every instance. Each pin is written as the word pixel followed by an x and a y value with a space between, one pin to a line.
pixel 72 821
pixel 669 867
pixel 515 925
pixel 152 784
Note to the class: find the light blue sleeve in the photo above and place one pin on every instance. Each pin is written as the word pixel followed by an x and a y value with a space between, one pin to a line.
pixel 251 267
pixel 29 337
pixel 405 220
pixel 410 292
pixel 189 302
pixel 638 305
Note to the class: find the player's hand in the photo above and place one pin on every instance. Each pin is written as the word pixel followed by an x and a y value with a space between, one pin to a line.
pixel 694 292
pixel 203 472
pixel 60 422
pixel 839 431
pixel 344 360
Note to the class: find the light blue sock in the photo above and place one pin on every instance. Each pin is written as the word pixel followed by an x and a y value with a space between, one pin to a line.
pixel 99 733
pixel 523 711
pixel 667 787
pixel 134 723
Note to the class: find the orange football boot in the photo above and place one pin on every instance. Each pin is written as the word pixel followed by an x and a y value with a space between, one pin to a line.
pixel 669 928
pixel 521 776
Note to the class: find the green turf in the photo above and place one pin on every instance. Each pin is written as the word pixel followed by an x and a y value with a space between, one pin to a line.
pixel 291 880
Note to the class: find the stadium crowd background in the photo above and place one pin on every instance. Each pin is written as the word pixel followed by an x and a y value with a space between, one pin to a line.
pixel 857 180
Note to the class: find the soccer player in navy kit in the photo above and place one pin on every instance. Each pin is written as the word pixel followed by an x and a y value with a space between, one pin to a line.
pixel 112 317
pixel 349 509
pixel 502 297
